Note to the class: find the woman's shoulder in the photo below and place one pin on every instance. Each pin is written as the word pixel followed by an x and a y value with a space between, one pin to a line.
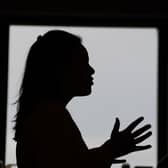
pixel 45 115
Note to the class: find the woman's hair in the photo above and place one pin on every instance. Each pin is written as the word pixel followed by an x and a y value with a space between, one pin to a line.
pixel 47 59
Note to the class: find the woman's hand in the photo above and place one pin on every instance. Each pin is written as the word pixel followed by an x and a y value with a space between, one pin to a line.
pixel 125 141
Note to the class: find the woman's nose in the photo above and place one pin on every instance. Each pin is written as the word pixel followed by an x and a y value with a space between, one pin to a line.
pixel 92 71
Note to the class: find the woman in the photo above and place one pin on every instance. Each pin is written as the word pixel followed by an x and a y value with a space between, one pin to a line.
pixel 57 69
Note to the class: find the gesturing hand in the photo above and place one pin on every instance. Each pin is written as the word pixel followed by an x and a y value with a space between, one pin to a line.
pixel 125 141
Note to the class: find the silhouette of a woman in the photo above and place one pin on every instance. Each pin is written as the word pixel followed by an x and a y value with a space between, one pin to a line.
pixel 57 69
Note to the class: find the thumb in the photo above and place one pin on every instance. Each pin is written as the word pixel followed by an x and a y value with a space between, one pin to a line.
pixel 116 126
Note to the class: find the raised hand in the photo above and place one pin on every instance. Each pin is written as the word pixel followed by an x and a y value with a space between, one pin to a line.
pixel 125 141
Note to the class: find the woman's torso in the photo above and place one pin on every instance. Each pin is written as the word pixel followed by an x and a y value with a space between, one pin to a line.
pixel 51 139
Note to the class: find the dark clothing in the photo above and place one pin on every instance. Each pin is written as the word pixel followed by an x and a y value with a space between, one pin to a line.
pixel 51 139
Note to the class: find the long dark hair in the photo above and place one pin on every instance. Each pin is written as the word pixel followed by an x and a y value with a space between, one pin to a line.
pixel 47 57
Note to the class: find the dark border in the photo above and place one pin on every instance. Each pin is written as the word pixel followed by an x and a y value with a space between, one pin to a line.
pixel 163 93
pixel 4 41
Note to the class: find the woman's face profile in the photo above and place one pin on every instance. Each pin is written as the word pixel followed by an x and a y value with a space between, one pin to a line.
pixel 79 80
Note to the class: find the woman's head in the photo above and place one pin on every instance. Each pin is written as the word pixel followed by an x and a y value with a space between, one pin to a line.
pixel 57 67
pixel 54 66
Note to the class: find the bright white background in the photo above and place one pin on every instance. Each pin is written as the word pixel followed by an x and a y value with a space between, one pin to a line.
pixel 125 83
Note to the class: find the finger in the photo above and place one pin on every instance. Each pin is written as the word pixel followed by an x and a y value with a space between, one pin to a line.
pixel 119 161
pixel 143 137
pixel 141 130
pixel 134 124
pixel 116 126
pixel 139 148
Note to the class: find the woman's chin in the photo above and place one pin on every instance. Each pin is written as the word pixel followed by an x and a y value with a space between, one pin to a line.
pixel 86 92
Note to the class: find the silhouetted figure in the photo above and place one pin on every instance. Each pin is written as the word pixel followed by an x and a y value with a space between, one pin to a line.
pixel 57 69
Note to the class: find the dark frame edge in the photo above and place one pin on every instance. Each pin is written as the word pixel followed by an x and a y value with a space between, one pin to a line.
pixel 162 94
pixel 4 43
